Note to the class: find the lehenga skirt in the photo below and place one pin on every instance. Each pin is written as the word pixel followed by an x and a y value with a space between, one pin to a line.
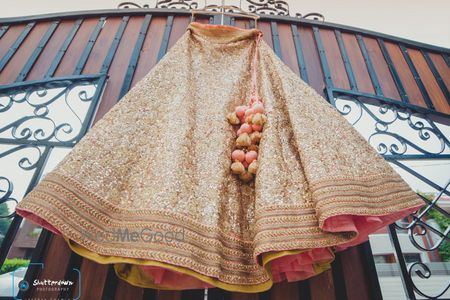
pixel 149 188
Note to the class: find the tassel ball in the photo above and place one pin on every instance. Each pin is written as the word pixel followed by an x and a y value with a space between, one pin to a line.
pixel 251 119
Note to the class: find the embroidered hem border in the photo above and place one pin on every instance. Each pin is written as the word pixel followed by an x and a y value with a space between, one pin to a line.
pixel 78 213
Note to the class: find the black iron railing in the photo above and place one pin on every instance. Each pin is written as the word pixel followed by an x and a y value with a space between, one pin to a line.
pixel 426 124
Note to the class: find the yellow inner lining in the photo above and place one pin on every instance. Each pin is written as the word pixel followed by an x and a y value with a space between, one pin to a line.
pixel 135 276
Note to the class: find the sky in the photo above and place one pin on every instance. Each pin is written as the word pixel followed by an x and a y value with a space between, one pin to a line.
pixel 418 20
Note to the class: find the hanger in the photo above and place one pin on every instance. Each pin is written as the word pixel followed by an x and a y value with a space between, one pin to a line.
pixel 224 10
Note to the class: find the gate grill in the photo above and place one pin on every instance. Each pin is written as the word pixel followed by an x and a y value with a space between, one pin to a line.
pixel 364 74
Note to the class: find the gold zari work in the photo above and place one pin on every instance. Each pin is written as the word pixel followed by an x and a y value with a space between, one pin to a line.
pixel 159 162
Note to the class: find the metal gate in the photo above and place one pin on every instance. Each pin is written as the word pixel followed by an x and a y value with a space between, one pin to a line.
pixel 79 64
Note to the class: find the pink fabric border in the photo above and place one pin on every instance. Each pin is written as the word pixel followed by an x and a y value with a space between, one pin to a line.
pixel 291 267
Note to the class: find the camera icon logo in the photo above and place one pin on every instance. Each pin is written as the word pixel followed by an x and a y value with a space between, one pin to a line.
pixel 23 285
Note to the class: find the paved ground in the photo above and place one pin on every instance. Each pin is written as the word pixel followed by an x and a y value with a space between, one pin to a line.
pixel 6 282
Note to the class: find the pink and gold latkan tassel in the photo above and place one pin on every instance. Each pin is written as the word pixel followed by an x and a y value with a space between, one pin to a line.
pixel 248 121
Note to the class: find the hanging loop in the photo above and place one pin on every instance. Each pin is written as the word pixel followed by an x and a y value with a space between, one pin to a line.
pixel 254 83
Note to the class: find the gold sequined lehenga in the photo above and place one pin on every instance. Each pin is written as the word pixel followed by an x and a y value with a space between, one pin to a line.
pixel 149 188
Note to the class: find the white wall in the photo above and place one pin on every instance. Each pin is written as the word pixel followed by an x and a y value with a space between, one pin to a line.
pixel 381 244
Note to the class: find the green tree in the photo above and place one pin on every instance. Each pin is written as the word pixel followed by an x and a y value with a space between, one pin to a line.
pixel 444 223
pixel 4 222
